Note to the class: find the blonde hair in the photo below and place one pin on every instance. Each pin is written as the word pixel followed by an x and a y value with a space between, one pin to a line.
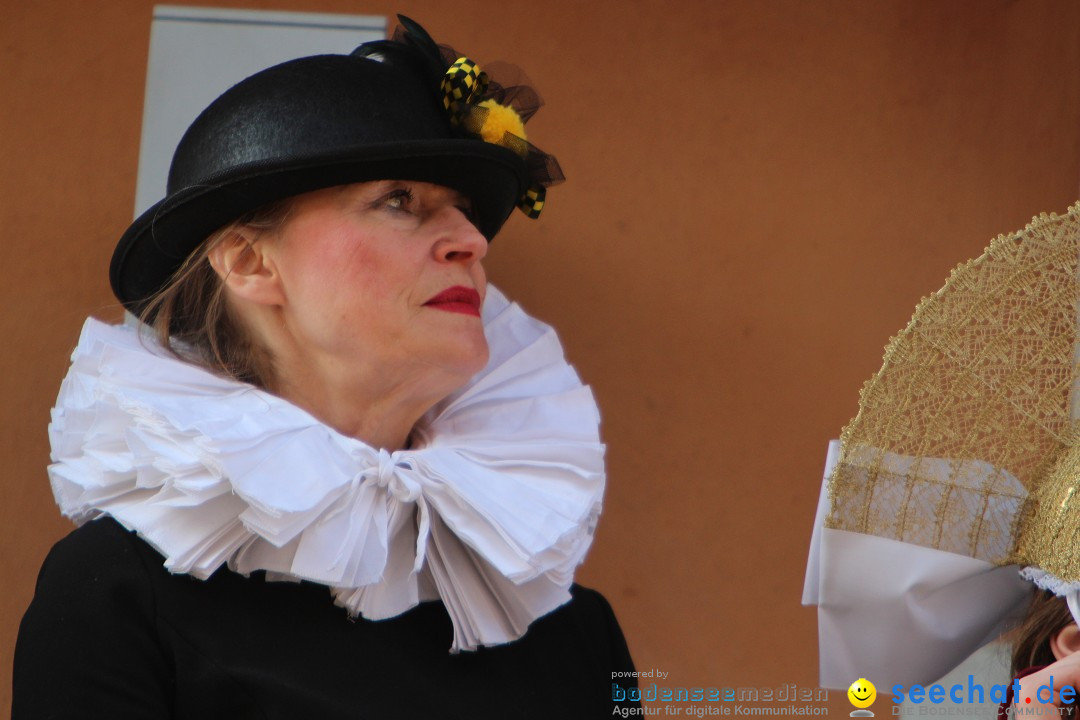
pixel 191 317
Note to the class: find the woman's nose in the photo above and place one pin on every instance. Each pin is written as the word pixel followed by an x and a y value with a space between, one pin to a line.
pixel 458 238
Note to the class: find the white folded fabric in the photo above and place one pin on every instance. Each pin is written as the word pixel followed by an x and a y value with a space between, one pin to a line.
pixel 899 613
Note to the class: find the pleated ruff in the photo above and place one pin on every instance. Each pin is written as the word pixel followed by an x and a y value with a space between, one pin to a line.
pixel 491 511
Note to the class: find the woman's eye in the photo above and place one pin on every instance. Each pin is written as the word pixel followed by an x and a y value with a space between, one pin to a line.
pixel 400 199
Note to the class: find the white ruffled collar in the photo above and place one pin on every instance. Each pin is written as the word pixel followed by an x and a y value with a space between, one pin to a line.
pixel 490 511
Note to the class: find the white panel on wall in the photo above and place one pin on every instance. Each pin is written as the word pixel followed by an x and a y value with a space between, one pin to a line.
pixel 198 53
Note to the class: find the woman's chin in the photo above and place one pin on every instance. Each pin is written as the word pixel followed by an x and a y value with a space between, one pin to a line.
pixel 469 358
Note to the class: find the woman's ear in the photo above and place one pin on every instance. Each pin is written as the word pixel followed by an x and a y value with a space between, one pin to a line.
pixel 246 267
pixel 1066 642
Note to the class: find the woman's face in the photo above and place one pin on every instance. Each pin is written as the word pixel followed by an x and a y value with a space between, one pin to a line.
pixel 383 278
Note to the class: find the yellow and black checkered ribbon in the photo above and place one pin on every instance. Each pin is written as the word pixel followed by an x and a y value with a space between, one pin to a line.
pixel 532 202
pixel 462 86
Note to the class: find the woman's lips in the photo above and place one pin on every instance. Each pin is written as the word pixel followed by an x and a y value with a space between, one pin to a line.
pixel 457 299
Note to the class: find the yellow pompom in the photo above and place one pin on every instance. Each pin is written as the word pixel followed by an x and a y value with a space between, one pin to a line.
pixel 500 119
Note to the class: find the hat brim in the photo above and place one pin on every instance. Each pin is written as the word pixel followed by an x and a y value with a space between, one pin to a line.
pixel 159 240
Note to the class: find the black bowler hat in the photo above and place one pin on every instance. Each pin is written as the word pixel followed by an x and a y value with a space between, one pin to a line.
pixel 383 112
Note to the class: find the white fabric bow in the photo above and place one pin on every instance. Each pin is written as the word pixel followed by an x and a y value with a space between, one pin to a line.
pixel 491 511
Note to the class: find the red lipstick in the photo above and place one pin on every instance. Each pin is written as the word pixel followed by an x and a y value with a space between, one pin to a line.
pixel 457 299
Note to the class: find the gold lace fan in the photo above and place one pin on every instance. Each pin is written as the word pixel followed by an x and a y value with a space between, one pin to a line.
pixel 966 438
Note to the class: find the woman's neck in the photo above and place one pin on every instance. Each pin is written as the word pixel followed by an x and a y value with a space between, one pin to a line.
pixel 380 413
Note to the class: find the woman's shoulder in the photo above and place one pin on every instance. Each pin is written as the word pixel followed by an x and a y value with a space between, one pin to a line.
pixel 592 605
pixel 97 574
pixel 590 599
pixel 92 622
pixel 92 554
pixel 103 534
pixel 593 609
pixel 587 622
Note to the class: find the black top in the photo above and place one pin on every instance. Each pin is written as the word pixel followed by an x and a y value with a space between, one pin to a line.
pixel 112 634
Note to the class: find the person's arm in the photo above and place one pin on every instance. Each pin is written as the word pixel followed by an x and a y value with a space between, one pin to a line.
pixel 88 644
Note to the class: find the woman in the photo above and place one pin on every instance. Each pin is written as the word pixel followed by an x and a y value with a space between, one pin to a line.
pixel 336 412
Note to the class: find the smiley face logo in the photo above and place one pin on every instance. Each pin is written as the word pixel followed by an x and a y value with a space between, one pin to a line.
pixel 862 693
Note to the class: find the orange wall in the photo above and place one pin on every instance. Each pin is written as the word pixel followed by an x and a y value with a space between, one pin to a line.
pixel 758 195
